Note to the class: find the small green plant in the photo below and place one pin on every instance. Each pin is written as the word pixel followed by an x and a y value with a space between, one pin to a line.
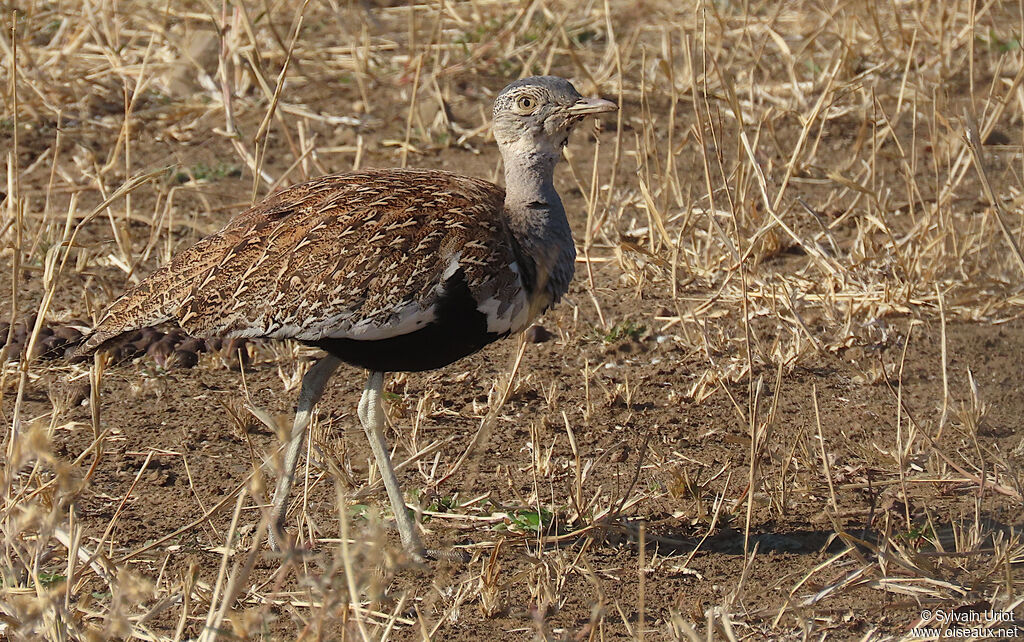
pixel 49 580
pixel 918 535
pixel 204 172
pixel 439 504
pixel 444 503
pixel 625 329
pixel 996 43
pixel 526 521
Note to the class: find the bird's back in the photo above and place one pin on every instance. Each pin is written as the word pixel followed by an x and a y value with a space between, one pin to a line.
pixel 347 260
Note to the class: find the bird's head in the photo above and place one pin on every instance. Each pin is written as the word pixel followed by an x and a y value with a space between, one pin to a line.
pixel 534 116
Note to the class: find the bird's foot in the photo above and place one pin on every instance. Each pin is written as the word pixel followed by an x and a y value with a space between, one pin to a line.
pixel 277 537
pixel 457 556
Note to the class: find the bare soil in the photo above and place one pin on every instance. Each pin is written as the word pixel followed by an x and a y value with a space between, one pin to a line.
pixel 178 454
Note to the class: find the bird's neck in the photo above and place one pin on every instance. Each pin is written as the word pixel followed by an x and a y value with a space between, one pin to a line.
pixel 529 179
pixel 536 219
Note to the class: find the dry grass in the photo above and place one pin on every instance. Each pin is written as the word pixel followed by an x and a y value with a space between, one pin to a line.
pixel 789 187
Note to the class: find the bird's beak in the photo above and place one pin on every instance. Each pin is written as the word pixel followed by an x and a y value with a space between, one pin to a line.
pixel 585 106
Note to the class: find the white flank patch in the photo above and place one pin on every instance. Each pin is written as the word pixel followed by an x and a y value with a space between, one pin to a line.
pixel 516 312
pixel 406 319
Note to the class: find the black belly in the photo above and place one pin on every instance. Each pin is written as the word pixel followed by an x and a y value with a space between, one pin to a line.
pixel 459 330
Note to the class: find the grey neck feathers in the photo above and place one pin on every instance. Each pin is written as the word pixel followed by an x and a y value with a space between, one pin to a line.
pixel 536 219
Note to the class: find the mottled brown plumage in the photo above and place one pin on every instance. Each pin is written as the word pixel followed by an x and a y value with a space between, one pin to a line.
pixel 349 255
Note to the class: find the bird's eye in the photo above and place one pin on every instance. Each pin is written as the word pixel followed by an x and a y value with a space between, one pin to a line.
pixel 526 103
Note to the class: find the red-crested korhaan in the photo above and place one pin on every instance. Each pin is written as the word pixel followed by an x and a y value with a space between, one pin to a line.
pixel 391 270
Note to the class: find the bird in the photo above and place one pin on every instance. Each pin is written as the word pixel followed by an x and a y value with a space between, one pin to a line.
pixel 389 270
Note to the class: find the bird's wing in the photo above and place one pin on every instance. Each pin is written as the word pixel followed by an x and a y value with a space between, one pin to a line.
pixel 363 255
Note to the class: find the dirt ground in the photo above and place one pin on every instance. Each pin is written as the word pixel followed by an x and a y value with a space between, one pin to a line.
pixel 751 420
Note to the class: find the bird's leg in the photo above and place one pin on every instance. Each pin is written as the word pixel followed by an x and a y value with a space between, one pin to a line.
pixel 313 384
pixel 371 414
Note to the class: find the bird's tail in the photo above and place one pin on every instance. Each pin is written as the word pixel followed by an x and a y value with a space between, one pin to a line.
pixel 150 303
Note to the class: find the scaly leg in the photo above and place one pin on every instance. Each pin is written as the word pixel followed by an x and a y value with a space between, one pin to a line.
pixel 313 384
pixel 371 414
